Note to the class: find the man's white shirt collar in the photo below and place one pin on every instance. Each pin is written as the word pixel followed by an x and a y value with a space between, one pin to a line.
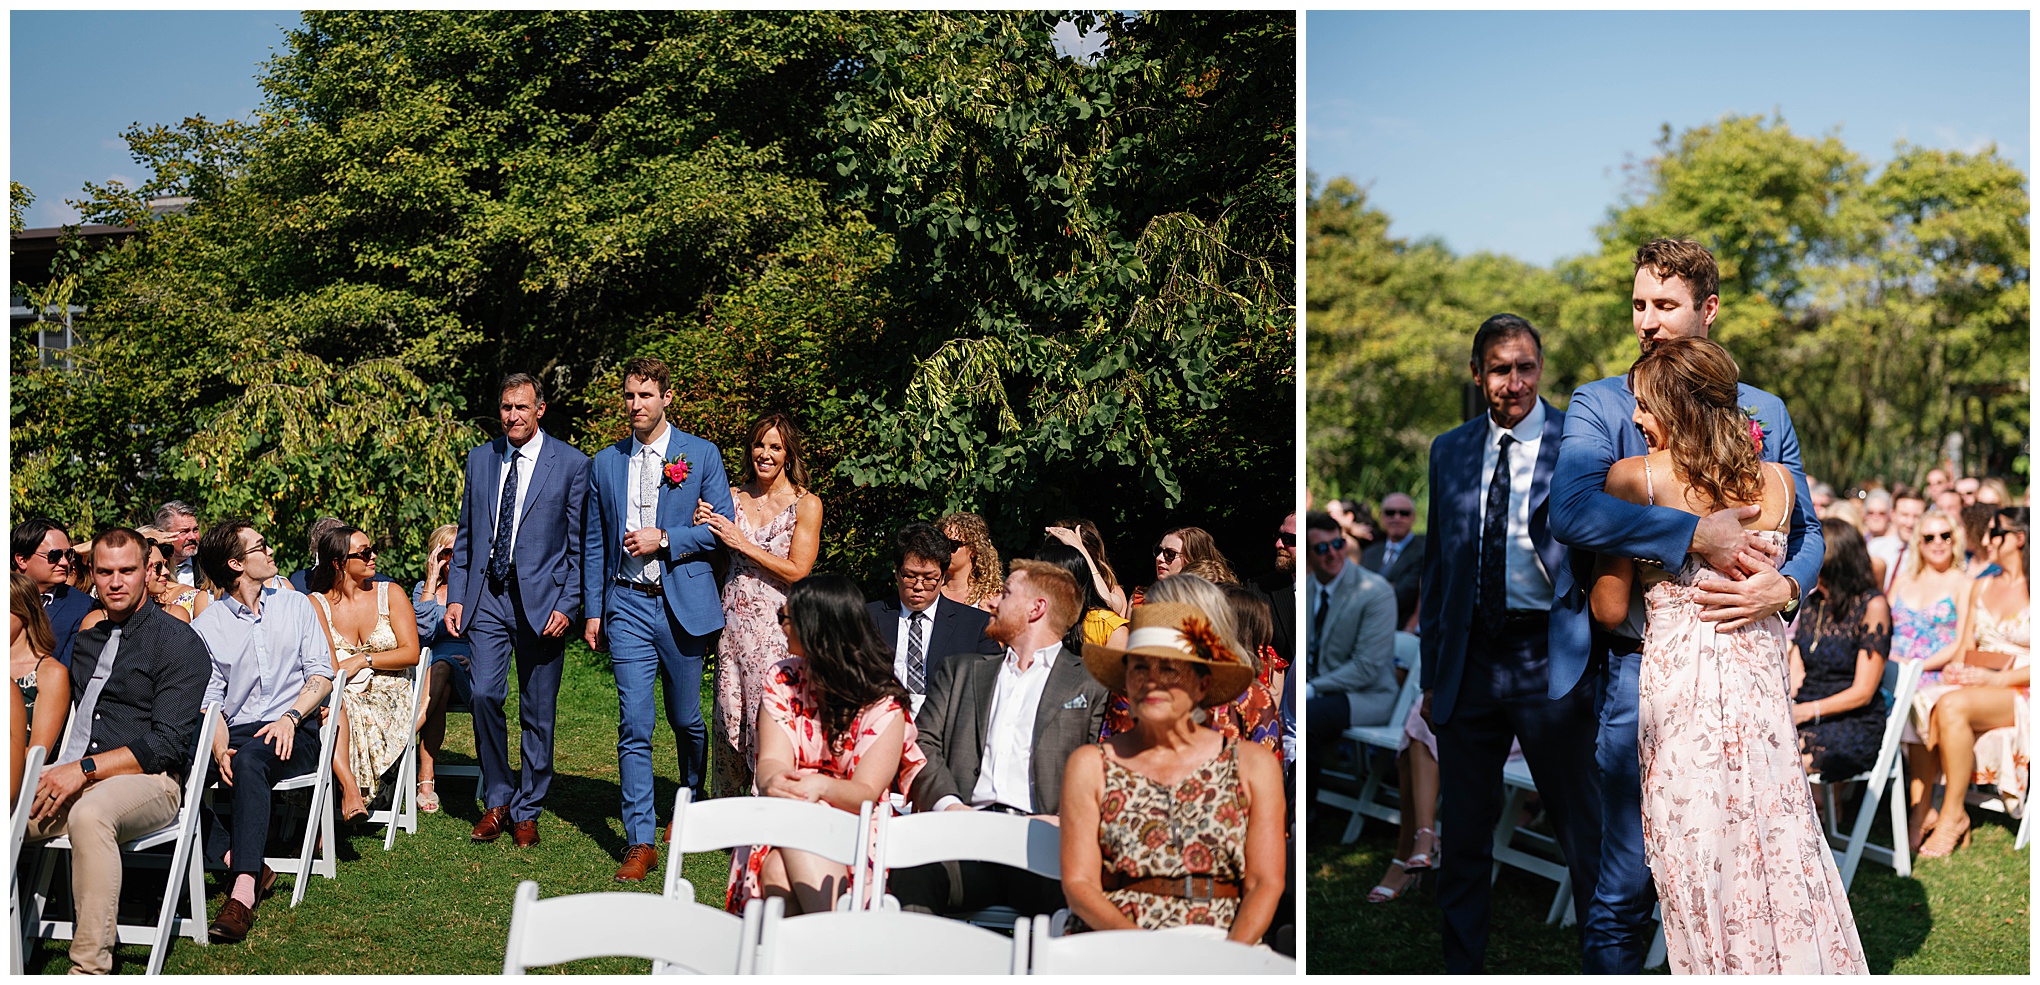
pixel 1044 657
pixel 529 450
pixel 658 445
pixel 1529 429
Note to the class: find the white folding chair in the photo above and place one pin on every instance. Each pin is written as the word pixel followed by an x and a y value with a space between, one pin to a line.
pixel 967 836
pixel 1385 736
pixel 403 809
pixel 24 801
pixel 730 822
pixel 1547 862
pixel 1886 779
pixel 315 851
pixel 679 934
pixel 1995 802
pixel 1148 952
pixel 186 878
pixel 882 942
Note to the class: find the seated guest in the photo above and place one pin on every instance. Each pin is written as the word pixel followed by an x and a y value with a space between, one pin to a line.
pixel 451 681
pixel 1100 624
pixel 270 669
pixel 1254 714
pixel 997 731
pixel 32 654
pixel 374 635
pixel 1839 645
pixel 918 625
pixel 137 678
pixel 1254 619
pixel 1083 535
pixel 1350 644
pixel 177 598
pixel 1184 546
pixel 301 579
pixel 42 551
pixel 1399 555
pixel 975 574
pixel 179 521
pixel 1975 520
pixel 1984 689
pixel 834 730
pixel 1222 862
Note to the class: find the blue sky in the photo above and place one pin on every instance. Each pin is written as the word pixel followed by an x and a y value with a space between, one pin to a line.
pixel 79 78
pixel 1507 132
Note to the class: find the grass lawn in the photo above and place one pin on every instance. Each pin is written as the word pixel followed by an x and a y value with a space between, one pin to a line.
pixel 438 903
pixel 1968 914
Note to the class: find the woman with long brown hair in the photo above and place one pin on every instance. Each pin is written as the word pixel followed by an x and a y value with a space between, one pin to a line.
pixel 772 544
pixel 373 633
pixel 974 575
pixel 1728 821
pixel 43 684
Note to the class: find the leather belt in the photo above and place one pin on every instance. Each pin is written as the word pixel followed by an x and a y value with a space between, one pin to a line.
pixel 1185 887
pixel 640 587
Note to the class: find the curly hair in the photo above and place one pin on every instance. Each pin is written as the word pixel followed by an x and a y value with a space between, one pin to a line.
pixel 849 667
pixel 987 575
pixel 1689 385
pixel 1198 546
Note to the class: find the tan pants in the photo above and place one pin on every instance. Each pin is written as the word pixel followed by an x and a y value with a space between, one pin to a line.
pixel 107 813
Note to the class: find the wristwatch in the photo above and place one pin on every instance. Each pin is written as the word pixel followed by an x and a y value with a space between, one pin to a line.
pixel 1793 605
pixel 295 717
pixel 662 540
pixel 86 764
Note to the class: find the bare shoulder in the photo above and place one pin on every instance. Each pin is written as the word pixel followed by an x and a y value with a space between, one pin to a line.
pixel 1256 759
pixel 808 508
pixel 1626 479
pixel 1778 494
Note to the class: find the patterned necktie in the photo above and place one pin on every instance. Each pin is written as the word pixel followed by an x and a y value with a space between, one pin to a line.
pixel 1317 621
pixel 1494 532
pixel 81 734
pixel 917 657
pixel 506 521
pixel 647 505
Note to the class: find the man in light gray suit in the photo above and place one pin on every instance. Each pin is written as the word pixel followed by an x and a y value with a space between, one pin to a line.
pixel 1350 679
pixel 976 705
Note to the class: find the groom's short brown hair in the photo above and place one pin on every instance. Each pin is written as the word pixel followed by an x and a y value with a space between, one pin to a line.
pixel 1669 258
pixel 647 368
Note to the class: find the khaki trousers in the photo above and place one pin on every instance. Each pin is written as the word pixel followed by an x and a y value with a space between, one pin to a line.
pixel 107 813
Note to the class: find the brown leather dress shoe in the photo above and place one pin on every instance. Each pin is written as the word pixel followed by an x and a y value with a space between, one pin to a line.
pixel 638 862
pixel 232 924
pixel 524 834
pixel 494 822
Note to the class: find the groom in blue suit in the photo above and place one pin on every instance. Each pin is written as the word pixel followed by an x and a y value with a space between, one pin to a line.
pixel 515 588
pixel 652 597
pixel 1489 564
pixel 1674 294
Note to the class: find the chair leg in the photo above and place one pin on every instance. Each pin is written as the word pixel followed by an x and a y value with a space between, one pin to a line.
pixel 1901 839
pixel 1859 834
pixel 173 888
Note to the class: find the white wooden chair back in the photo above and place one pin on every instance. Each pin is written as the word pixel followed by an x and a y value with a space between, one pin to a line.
pixel 680 934
pixel 728 822
pixel 1149 952
pixel 1886 779
pixel 965 836
pixel 881 942
pixel 403 809
pixel 315 850
pixel 24 801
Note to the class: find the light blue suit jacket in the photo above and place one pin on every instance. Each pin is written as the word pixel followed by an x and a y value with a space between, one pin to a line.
pixel 1598 432
pixel 547 551
pixel 684 571
pixel 1452 547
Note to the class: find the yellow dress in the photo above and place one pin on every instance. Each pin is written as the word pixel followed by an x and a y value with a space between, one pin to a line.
pixel 1100 624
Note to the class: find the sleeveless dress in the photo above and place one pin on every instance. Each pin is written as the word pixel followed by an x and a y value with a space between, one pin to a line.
pixel 751 643
pixel 28 686
pixel 2001 757
pixel 378 702
pixel 188 599
pixel 1195 827
pixel 788 704
pixel 1745 877
pixel 1846 743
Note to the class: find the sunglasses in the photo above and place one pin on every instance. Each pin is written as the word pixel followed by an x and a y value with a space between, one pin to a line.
pixel 1335 544
pixel 1388 512
pixel 260 545
pixel 58 555
pixel 1168 554
pixel 365 554
pixel 1943 535
pixel 164 548
pixel 1285 538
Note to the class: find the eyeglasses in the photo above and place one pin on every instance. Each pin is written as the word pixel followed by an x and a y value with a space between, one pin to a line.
pixel 913 580
pixel 1385 511
pixel 259 545
pixel 58 555
pixel 365 554
pixel 1285 538
pixel 1943 535
pixel 1995 533
pixel 1327 547
pixel 1168 555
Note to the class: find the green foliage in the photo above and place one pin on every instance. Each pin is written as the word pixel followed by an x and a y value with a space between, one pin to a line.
pixel 19 198
pixel 1889 311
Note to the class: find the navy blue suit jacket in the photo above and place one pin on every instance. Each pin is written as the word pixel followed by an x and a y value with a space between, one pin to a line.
pixel 66 610
pixel 1599 432
pixel 958 628
pixel 547 551
pixel 684 572
pixel 1452 547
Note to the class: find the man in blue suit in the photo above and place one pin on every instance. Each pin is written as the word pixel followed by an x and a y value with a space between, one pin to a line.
pixel 513 591
pixel 1489 562
pixel 651 592
pixel 1674 294
pixel 42 551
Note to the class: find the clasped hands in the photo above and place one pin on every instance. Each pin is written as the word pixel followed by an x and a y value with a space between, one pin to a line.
pixel 796 784
pixel 1755 591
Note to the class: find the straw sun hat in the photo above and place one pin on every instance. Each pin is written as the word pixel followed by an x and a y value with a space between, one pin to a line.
pixel 1177 632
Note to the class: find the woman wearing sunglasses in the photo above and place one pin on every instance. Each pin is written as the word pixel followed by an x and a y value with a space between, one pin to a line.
pixel 1928 596
pixel 1182 547
pixel 1975 718
pixel 180 600
pixel 374 635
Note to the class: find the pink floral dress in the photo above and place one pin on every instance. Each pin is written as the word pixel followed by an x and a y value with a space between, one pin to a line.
pixel 1746 879
pixel 751 643
pixel 788 704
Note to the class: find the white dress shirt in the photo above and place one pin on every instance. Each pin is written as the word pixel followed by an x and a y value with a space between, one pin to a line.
pixel 187 573
pixel 261 660
pixel 1529 583
pixel 645 513
pixel 899 653
pixel 525 461
pixel 1392 550
pixel 1006 773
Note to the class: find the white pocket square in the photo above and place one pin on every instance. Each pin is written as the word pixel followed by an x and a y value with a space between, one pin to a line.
pixel 1078 702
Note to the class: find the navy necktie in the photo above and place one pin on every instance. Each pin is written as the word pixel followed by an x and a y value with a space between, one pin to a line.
pixel 1494 535
pixel 506 522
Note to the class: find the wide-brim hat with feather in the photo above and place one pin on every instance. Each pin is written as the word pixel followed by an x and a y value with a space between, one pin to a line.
pixel 1177 632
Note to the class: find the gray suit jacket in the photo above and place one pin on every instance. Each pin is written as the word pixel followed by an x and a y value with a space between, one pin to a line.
pixel 1356 652
pixel 953 720
pixel 1406 575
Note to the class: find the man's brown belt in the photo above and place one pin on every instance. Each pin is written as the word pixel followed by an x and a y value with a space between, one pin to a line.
pixel 1186 887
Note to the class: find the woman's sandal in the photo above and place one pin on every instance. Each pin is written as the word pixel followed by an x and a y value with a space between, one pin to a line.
pixel 1939 846
pixel 428 799
pixel 1425 859
pixel 1382 894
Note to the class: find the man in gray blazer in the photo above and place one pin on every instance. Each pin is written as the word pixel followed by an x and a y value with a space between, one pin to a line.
pixel 1399 556
pixel 1350 679
pixel 977 705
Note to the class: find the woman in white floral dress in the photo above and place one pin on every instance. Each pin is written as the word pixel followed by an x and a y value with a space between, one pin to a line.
pixel 374 636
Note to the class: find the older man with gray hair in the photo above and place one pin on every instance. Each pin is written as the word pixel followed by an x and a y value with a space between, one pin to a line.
pixel 180 521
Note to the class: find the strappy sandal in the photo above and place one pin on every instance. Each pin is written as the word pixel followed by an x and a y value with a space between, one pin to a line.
pixel 1424 860
pixel 1938 846
pixel 1381 893
pixel 428 799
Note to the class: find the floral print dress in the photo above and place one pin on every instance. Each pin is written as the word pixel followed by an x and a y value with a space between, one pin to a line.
pixel 378 702
pixel 1197 827
pixel 2001 757
pixel 751 643
pixel 789 704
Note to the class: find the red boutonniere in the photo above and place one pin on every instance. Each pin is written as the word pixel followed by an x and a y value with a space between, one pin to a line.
pixel 676 471
pixel 1758 429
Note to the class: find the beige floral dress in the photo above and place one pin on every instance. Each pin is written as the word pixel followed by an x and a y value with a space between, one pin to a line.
pixel 378 702
pixel 751 643
pixel 1197 827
